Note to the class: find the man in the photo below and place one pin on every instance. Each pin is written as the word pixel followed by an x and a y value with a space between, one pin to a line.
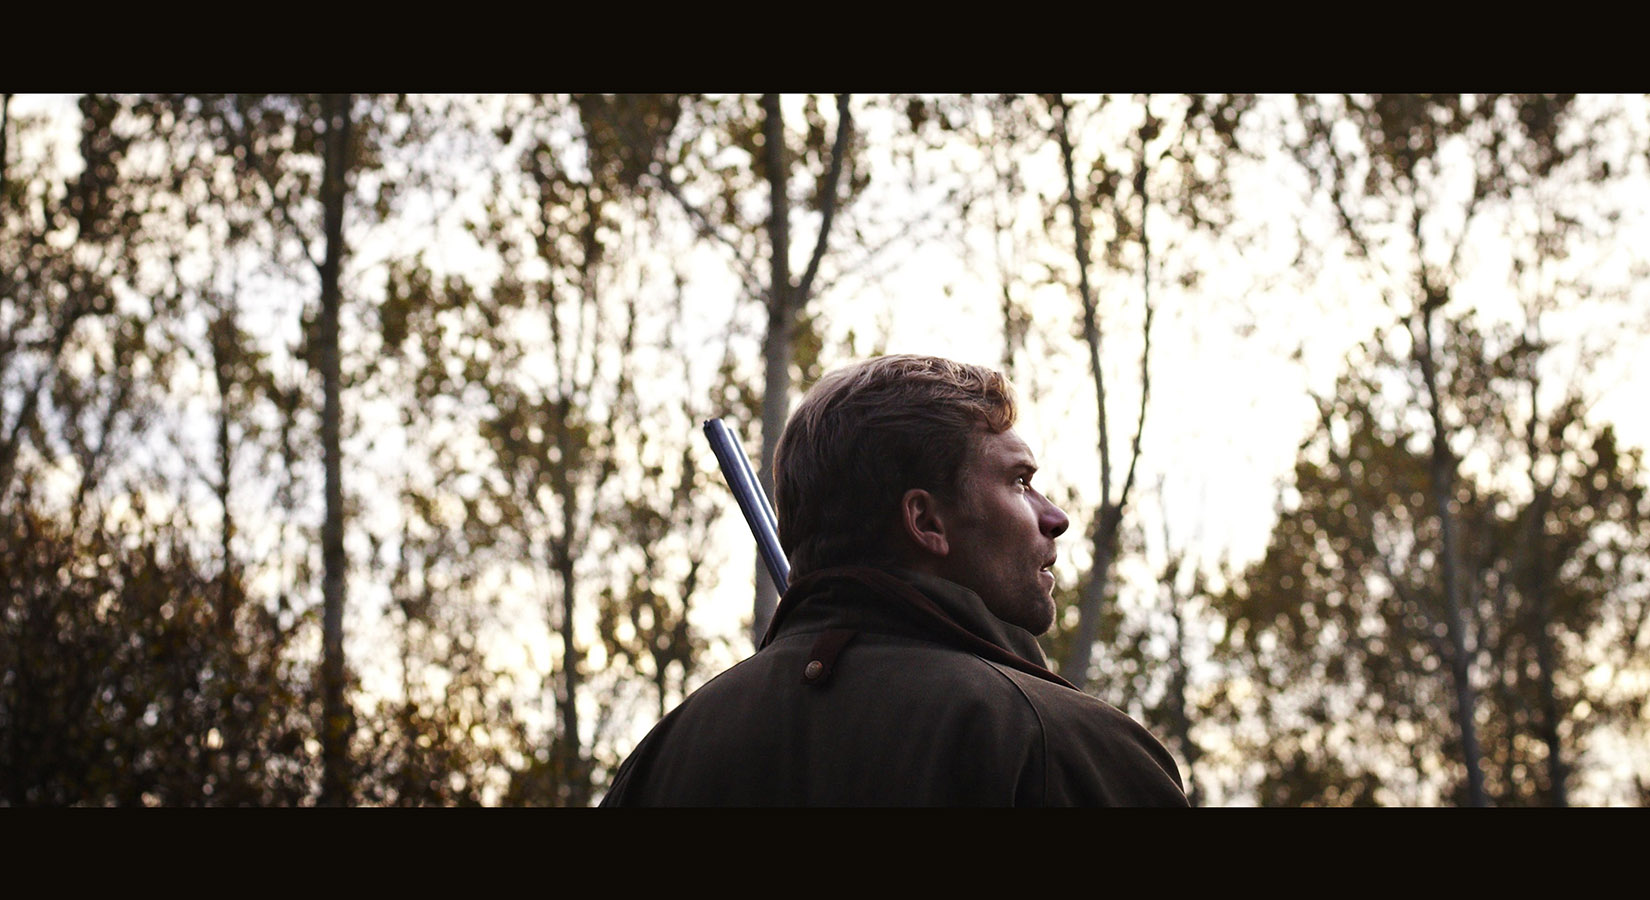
pixel 902 666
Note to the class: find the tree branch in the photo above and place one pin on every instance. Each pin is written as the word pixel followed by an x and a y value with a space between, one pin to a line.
pixel 1091 328
pixel 827 196
pixel 1140 179
pixel 707 229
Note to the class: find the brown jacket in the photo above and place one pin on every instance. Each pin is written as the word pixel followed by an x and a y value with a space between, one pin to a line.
pixel 877 690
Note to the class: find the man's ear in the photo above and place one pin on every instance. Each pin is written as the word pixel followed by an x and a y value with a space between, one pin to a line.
pixel 922 522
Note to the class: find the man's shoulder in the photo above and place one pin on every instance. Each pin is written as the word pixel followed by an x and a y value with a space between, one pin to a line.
pixel 898 721
pixel 1096 753
pixel 873 666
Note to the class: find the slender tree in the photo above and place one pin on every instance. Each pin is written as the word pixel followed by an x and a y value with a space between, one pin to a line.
pixel 1186 152
pixel 786 300
pixel 1338 631
pixel 1103 539
pixel 1395 180
pixel 551 369
pixel 336 788
pixel 694 174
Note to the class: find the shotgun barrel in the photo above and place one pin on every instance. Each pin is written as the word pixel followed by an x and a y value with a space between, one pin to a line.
pixel 753 501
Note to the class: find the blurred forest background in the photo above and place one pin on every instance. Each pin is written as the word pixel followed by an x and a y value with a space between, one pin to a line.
pixel 349 446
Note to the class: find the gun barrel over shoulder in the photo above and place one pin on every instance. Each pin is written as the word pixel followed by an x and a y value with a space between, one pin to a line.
pixel 753 501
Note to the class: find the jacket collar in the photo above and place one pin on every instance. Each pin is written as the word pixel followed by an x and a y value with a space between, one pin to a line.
pixel 967 609
pixel 934 605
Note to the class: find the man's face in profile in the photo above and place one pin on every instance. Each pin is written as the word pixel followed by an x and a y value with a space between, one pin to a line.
pixel 1001 532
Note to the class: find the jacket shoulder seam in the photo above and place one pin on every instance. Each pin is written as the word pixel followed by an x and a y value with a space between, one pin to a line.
pixel 1042 724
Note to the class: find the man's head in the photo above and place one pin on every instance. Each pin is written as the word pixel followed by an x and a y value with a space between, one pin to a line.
pixel 911 460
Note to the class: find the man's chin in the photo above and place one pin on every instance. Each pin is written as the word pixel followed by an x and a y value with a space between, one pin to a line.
pixel 1045 610
pixel 1043 622
pixel 1038 618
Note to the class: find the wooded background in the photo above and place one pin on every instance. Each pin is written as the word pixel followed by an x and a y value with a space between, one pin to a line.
pixel 349 447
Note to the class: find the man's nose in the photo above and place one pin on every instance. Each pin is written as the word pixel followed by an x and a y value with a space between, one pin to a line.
pixel 1053 521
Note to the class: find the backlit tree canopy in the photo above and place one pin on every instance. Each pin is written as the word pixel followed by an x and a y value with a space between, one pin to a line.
pixel 350 451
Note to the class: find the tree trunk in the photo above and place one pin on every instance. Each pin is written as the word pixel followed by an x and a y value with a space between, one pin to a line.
pixel 573 780
pixel 336 714
pixel 5 126
pixel 1557 771
pixel 575 783
pixel 6 295
pixel 223 350
pixel 1108 521
pixel 776 348
pixel 1540 583
pixel 1443 490
pixel 1074 668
